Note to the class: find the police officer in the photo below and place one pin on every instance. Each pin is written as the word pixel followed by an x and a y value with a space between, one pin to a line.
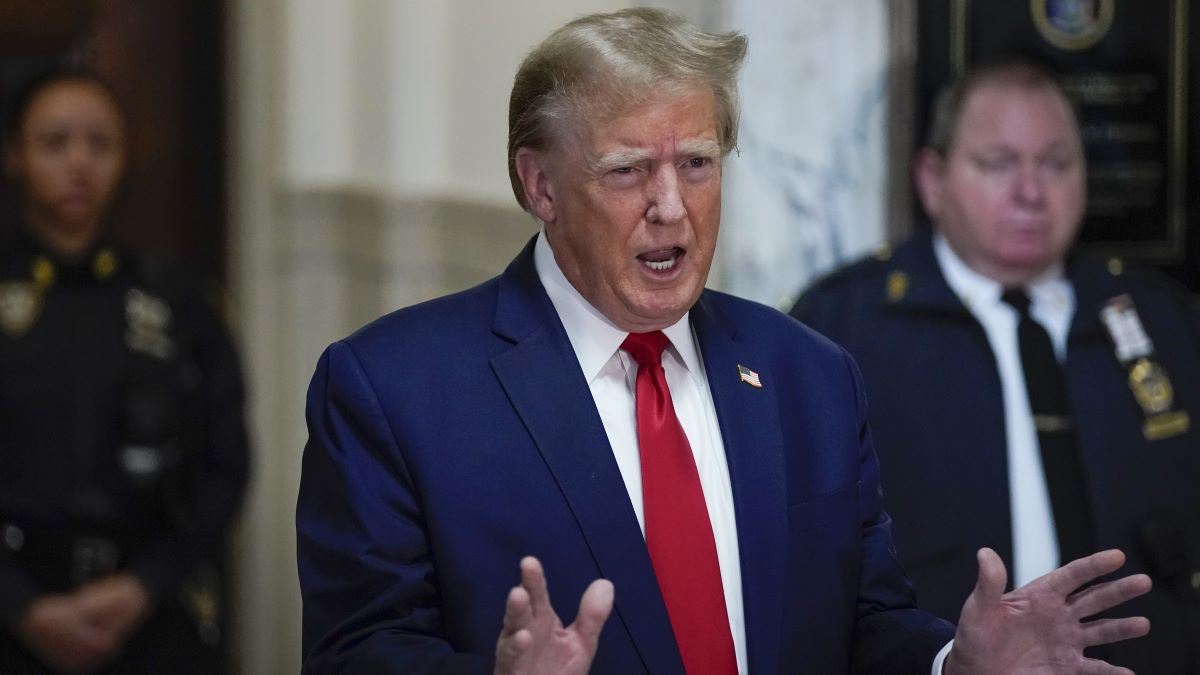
pixel 123 450
pixel 1022 395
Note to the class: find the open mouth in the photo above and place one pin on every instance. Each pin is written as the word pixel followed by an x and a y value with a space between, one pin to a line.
pixel 662 260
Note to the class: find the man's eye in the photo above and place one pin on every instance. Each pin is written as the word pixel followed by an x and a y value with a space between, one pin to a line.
pixel 53 141
pixel 101 143
pixel 1058 164
pixel 699 162
pixel 1000 163
pixel 623 177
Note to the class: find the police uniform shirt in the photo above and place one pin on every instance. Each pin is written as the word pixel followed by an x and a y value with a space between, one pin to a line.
pixel 122 433
pixel 1035 544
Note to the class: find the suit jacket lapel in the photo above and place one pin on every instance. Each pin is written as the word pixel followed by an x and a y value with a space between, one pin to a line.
pixel 543 381
pixel 749 419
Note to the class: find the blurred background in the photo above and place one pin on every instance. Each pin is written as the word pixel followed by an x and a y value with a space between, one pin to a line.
pixel 327 162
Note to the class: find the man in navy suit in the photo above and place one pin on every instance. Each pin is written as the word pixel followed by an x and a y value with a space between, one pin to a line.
pixel 535 422
pixel 1003 179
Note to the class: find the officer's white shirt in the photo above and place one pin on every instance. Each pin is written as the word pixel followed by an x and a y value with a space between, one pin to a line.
pixel 1035 545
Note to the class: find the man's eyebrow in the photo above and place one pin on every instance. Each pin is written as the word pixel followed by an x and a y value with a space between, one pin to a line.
pixel 1061 146
pixel 698 148
pixel 619 158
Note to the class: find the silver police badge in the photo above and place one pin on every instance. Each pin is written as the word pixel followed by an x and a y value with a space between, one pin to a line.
pixel 20 306
pixel 148 321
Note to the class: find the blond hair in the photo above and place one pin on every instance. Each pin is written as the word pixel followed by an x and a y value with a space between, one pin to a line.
pixel 599 65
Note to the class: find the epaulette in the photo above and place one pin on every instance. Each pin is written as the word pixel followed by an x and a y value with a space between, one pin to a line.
pixel 869 266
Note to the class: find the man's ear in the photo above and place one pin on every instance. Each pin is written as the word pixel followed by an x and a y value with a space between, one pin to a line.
pixel 534 172
pixel 928 175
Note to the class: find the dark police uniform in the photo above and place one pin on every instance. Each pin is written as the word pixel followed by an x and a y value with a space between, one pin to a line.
pixel 122 447
pixel 937 417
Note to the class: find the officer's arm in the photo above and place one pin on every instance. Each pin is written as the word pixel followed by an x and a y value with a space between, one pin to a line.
pixel 215 473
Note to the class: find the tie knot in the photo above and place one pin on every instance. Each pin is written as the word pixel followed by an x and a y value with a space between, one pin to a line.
pixel 1017 299
pixel 646 348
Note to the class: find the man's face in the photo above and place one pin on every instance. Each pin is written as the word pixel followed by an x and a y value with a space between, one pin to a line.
pixel 69 157
pixel 631 208
pixel 1009 194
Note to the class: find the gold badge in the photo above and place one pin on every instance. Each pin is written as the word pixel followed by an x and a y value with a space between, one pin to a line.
pixel 1147 379
pixel 1151 387
pixel 897 286
pixel 20 306
pixel 1153 391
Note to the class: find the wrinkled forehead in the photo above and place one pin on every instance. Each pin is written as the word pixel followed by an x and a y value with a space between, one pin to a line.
pixel 672 114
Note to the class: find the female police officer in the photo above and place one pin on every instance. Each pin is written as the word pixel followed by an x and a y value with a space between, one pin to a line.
pixel 122 440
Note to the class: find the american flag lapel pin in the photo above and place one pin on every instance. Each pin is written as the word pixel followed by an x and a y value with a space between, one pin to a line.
pixel 749 377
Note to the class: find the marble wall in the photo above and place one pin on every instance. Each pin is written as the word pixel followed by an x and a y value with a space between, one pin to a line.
pixel 808 186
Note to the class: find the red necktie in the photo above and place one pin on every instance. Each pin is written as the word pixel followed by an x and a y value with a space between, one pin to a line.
pixel 678 532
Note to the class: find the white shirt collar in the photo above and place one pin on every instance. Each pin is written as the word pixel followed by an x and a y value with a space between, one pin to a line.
pixel 593 336
pixel 1050 289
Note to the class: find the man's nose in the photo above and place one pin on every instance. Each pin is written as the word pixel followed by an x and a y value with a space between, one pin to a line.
pixel 1031 187
pixel 79 155
pixel 666 203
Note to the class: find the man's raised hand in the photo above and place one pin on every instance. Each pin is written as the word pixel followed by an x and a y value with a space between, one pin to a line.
pixel 533 640
pixel 1038 629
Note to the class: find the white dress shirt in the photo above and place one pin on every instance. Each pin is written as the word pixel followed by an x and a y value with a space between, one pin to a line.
pixel 611 374
pixel 1052 298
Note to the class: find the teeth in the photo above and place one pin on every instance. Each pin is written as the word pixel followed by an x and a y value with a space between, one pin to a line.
pixel 660 266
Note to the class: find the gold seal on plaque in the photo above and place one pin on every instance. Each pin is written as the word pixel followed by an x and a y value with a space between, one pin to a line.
pixel 1072 25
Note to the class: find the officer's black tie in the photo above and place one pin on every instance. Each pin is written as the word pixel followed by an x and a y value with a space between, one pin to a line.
pixel 1046 387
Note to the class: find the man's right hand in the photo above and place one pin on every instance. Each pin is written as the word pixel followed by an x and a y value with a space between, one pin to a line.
pixel 533 640
pixel 57 630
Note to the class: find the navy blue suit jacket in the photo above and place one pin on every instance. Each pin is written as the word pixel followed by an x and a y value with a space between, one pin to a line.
pixel 937 414
pixel 449 439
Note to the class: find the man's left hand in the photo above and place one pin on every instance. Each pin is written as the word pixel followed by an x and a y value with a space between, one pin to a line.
pixel 534 641
pixel 1038 629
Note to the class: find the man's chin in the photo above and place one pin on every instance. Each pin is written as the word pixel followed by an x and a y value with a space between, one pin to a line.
pixel 656 312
